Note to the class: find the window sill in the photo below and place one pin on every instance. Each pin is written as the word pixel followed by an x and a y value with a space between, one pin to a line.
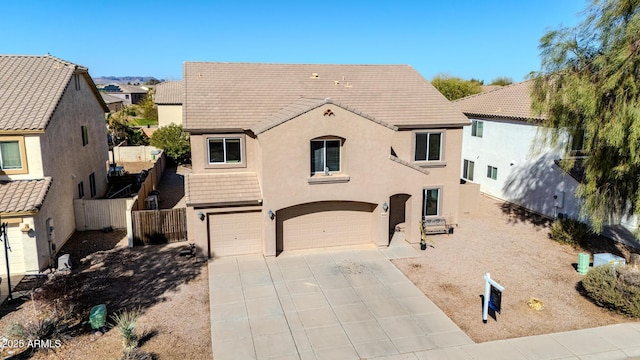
pixel 431 164
pixel 328 179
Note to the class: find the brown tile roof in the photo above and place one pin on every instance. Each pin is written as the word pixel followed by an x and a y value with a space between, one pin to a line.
pixel 168 93
pixel 226 188
pixel 509 102
pixel 239 95
pixel 31 87
pixel 23 195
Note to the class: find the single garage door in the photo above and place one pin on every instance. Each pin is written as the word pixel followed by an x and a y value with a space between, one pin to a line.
pixel 16 255
pixel 235 233
pixel 324 224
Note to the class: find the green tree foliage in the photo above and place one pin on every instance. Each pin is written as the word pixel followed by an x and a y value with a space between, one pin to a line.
pixel 174 142
pixel 502 81
pixel 148 108
pixel 589 88
pixel 120 128
pixel 455 88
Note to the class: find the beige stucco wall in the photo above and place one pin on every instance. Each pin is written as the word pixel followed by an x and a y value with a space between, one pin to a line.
pixel 168 114
pixel 281 158
pixel 68 163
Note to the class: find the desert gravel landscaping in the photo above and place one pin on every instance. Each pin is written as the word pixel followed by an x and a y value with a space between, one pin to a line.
pixel 514 247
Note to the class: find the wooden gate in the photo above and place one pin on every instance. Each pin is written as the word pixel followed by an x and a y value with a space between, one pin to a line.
pixel 159 226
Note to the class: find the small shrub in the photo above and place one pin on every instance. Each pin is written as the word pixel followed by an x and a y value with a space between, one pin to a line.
pixel 126 323
pixel 16 331
pixel 613 288
pixel 137 354
pixel 570 231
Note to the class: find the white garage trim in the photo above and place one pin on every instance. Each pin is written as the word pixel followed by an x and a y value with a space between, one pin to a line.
pixel 235 233
pixel 324 224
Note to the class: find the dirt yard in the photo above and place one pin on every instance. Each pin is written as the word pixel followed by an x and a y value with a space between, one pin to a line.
pixel 515 249
pixel 170 291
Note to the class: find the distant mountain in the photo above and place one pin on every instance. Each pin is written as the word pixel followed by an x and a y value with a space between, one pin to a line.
pixel 124 79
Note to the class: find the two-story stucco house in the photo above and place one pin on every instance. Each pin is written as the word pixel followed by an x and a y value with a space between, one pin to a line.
pixel 505 151
pixel 292 157
pixel 168 98
pixel 53 149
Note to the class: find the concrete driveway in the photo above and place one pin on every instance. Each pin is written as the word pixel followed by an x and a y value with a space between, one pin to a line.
pixel 338 303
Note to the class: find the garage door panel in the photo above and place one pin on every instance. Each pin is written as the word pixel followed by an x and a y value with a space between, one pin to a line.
pixel 235 233
pixel 16 255
pixel 325 225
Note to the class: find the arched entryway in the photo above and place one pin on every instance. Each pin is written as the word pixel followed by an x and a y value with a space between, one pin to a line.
pixel 397 212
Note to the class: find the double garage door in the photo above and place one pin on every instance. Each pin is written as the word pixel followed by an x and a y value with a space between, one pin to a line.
pixel 324 224
pixel 298 227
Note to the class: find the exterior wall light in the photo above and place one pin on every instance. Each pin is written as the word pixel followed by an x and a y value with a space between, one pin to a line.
pixel 270 214
pixel 385 207
pixel 201 215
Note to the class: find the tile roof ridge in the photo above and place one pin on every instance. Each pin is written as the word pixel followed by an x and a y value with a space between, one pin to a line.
pixel 493 90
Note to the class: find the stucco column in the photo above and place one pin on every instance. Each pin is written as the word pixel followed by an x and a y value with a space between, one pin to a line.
pixel 381 227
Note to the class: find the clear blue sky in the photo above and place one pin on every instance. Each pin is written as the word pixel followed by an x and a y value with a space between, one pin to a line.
pixel 465 38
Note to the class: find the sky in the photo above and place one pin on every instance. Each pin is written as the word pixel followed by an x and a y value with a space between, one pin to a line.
pixel 480 39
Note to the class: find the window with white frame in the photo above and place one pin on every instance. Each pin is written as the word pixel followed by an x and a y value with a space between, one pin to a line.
pixel 476 128
pixel 325 155
pixel 431 202
pixel 492 172
pixel 10 155
pixel 467 170
pixel 225 151
pixel 428 146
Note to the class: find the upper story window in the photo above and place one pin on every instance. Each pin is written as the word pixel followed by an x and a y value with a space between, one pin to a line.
pixel 325 155
pixel 476 128
pixel 428 146
pixel 12 155
pixel 225 151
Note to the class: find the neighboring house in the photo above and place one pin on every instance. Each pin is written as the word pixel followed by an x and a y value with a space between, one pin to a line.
pixel 288 157
pixel 53 149
pixel 168 98
pixel 130 94
pixel 504 150
pixel 113 103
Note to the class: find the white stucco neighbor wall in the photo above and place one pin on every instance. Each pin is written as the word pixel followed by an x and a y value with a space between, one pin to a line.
pixel 527 174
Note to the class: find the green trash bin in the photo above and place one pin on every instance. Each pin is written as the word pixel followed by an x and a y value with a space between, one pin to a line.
pixel 583 263
pixel 98 316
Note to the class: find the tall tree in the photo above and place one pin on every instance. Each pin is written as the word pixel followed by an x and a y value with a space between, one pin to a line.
pixel 174 142
pixel 455 88
pixel 589 88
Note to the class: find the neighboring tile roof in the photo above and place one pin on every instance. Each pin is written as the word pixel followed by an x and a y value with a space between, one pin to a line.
pixel 300 107
pixel 509 102
pixel 168 93
pixel 30 89
pixel 237 187
pixel 23 195
pixel 240 95
pixel 110 99
pixel 125 89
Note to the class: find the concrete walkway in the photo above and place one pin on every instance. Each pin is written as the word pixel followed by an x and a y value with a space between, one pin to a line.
pixel 352 303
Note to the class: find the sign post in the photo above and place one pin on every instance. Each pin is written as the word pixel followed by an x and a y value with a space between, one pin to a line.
pixel 492 297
